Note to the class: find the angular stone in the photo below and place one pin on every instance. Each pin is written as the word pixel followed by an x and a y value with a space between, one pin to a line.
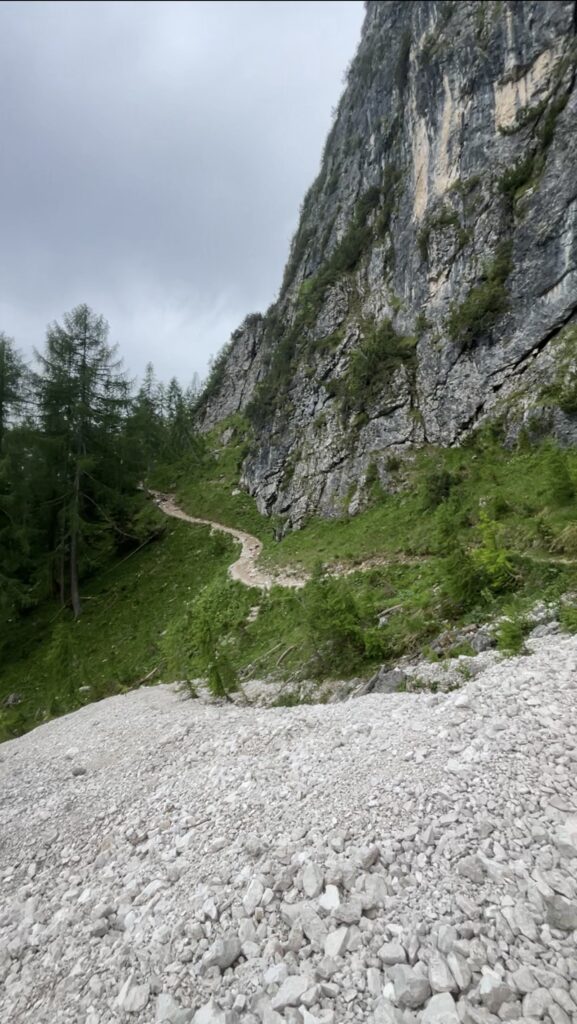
pixel 386 1013
pixel 132 998
pixel 561 913
pixel 313 880
pixel 375 890
pixel 493 992
pixel 291 992
pixel 222 954
pixel 441 1009
pixel 211 1013
pixel 169 1012
pixel 349 912
pixel 525 922
pixel 472 868
pixel 460 970
pixel 446 938
pixel 392 953
pixel 440 977
pixel 536 1004
pixel 558 1014
pixel 374 981
pixel 313 927
pixel 565 838
pixel 253 896
pixel 329 899
pixel 411 989
pixel 523 980
pixel 336 942
pixel 388 680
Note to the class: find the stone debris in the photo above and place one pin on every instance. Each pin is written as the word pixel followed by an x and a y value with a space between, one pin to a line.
pixel 403 858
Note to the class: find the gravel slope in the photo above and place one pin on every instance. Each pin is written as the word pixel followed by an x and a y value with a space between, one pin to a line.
pixel 388 859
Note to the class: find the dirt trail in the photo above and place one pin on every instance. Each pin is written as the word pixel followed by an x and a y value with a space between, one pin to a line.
pixel 245 569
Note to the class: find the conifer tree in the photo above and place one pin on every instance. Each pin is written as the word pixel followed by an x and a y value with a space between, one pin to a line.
pixel 82 396
pixel 12 382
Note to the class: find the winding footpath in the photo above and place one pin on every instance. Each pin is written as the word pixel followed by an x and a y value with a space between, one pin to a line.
pixel 244 569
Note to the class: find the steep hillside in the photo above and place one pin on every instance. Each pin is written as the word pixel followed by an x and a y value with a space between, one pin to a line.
pixel 432 281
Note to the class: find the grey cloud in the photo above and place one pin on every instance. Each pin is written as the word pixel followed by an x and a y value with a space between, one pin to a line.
pixel 154 156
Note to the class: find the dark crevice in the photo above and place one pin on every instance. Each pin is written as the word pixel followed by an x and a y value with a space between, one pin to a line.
pixel 519 367
pixel 528 357
pixel 556 283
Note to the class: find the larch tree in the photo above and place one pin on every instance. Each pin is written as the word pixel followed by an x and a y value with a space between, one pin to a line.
pixel 82 396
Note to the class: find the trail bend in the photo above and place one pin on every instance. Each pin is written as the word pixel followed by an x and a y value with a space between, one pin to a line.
pixel 245 569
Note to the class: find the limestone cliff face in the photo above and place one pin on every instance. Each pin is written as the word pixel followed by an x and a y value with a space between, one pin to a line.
pixel 432 282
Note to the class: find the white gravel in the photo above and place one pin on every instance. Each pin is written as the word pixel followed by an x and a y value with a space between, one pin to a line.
pixel 385 859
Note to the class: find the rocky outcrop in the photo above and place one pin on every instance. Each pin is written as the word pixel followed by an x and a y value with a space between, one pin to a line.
pixel 432 282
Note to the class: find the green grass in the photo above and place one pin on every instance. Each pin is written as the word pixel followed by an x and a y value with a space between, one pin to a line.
pixel 514 486
pixel 207 489
pixel 116 642
pixel 474 533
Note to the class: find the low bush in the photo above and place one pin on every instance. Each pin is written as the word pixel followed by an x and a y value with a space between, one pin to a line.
pixel 371 365
pixel 560 486
pixel 436 486
pixel 511 635
pixel 472 319
pixel 568 618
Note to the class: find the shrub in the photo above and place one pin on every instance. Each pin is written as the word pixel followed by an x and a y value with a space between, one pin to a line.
pixel 393 463
pixel 486 301
pixel 436 486
pixel 372 362
pixel 215 378
pixel 193 642
pixel 422 324
pixel 567 400
pixel 333 624
pixel 492 558
pixel 568 618
pixel 517 177
pixel 450 517
pixel 560 486
pixel 461 579
pixel 511 635
pixel 549 123
pixel 566 542
pixel 473 577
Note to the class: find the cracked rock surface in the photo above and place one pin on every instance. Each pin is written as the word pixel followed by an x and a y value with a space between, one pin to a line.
pixel 228 865
pixel 442 102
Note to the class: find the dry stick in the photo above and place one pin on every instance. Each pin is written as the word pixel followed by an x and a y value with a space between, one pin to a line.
pixel 284 654
pixel 148 676
pixel 250 667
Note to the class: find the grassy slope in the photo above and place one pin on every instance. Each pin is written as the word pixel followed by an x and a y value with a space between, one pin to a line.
pixel 116 641
pixel 150 611
pixel 410 533
pixel 209 489
pixel 513 486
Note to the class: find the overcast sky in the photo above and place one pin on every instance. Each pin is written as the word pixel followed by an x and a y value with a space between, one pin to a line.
pixel 153 160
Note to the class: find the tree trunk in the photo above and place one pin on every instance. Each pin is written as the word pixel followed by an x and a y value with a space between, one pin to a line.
pixel 74 591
